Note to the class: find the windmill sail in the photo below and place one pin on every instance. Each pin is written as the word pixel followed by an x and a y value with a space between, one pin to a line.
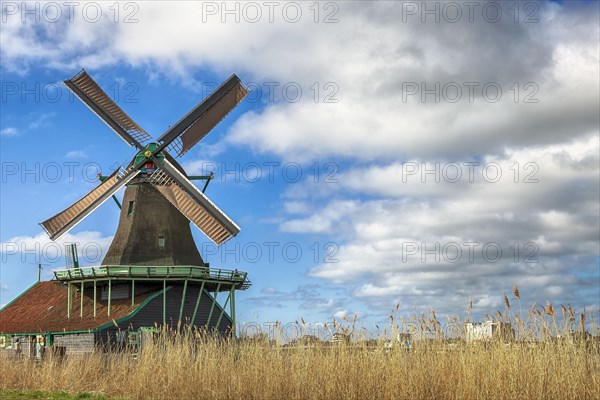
pixel 190 129
pixel 92 95
pixel 62 222
pixel 192 203
pixel 169 181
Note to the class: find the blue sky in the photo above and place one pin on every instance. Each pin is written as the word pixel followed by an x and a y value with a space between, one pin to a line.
pixel 334 154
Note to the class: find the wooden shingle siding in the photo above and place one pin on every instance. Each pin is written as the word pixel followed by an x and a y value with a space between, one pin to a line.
pixel 152 313
pixel 118 291
pixel 76 343
pixel 44 310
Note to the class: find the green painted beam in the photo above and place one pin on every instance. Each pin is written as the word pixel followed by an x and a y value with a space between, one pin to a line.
pixel 197 303
pixel 95 297
pixel 177 272
pixel 128 317
pixel 81 301
pixel 232 311
pixel 182 302
pixel 164 302
pixel 74 256
pixel 102 178
pixel 172 279
pixel 207 182
pixel 116 201
pixel 212 306
pixel 109 294
pixel 223 310
pixel 69 300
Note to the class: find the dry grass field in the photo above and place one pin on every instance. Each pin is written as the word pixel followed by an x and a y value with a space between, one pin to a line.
pixel 192 366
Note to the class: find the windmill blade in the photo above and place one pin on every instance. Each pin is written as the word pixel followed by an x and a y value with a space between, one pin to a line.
pixel 190 129
pixel 196 213
pixel 62 222
pixel 192 203
pixel 92 95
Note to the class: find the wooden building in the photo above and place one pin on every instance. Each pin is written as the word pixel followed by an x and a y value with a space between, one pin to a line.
pixel 488 330
pixel 152 274
pixel 92 308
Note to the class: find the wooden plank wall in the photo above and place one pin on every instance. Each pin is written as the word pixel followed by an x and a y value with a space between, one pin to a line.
pixel 82 343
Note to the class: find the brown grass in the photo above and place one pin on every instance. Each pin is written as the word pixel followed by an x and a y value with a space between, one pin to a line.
pixel 544 368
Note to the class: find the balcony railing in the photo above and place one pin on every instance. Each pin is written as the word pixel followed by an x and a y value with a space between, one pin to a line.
pixel 139 271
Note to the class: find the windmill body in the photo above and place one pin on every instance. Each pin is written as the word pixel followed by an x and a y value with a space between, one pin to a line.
pixel 151 230
pixel 152 273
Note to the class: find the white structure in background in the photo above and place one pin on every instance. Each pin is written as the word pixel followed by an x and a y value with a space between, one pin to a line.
pixel 488 330
pixel 340 338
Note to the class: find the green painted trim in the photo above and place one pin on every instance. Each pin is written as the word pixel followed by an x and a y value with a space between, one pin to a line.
pixel 239 278
pixel 81 301
pixel 223 310
pixel 133 313
pixel 144 303
pixel 232 311
pixel 19 296
pixel 164 302
pixel 95 297
pixel 109 295
pixel 73 247
pixel 69 298
pixel 50 333
pixel 185 285
pixel 210 177
pixel 116 201
pixel 173 279
pixel 69 332
pixel 218 306
pixel 200 292
pixel 212 306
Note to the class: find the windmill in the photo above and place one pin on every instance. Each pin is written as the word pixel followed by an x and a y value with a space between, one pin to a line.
pixel 152 272
pixel 153 164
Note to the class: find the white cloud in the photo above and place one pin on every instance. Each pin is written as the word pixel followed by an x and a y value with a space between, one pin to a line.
pixel 367 55
pixel 554 221
pixel 372 121
pixel 200 167
pixel 76 154
pixel 297 207
pixel 91 247
pixel 269 290
pixel 9 132
pixel 325 221
pixel 368 58
pixel 40 121
pixel 36 121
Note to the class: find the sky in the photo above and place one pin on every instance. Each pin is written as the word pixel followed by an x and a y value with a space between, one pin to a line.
pixel 429 155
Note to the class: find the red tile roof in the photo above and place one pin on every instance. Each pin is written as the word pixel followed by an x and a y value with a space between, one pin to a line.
pixel 43 308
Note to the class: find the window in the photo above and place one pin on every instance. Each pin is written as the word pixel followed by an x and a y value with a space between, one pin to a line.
pixel 161 242
pixel 130 209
